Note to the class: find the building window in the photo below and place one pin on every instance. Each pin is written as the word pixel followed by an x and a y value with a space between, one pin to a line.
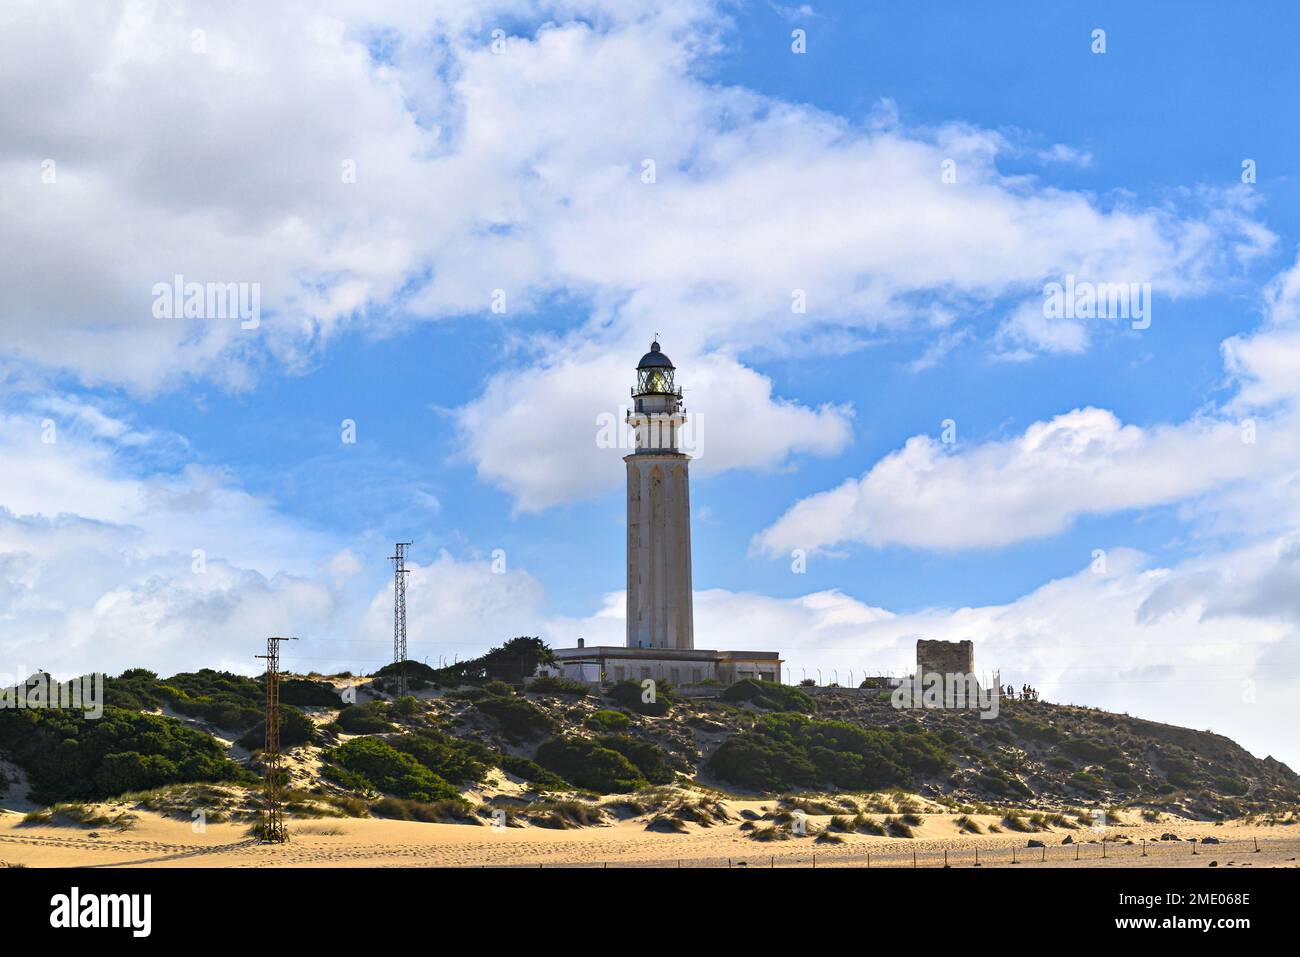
pixel 695 675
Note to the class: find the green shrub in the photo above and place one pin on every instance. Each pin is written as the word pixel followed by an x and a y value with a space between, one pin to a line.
pixel 308 694
pixel 295 728
pixel 630 693
pixel 452 759
pixel 649 758
pixel 607 720
pixel 369 718
pixel 376 763
pixel 771 696
pixel 1090 750
pixel 590 766
pixel 519 719
pixel 68 757
pixel 1179 771
pixel 1230 785
pixel 786 752
pixel 512 661
pixel 532 772
pixel 1088 783
pixel 559 686
pixel 226 700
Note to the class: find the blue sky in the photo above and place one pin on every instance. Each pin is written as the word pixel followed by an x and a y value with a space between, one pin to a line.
pixel 217 155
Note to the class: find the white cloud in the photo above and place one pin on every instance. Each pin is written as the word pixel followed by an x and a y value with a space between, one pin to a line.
pixel 108 563
pixel 1028 332
pixel 462 606
pixel 534 431
pixel 1266 364
pixel 1083 462
pixel 478 170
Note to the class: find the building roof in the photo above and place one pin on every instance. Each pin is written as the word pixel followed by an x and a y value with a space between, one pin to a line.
pixel 663 654
pixel 655 359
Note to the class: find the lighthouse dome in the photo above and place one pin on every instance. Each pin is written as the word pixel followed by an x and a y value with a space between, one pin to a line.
pixel 655 359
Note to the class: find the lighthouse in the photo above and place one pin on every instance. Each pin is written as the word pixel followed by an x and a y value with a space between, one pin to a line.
pixel 659 612
pixel 660 645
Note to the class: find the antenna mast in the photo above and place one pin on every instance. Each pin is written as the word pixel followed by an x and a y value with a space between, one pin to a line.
pixel 399 614
pixel 273 816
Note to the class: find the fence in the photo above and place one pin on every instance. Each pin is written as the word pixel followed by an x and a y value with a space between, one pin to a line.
pixel 1142 852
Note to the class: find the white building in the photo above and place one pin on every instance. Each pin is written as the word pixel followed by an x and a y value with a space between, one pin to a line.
pixel 660 617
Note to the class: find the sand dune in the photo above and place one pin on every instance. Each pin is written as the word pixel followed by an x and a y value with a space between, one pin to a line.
pixel 157 841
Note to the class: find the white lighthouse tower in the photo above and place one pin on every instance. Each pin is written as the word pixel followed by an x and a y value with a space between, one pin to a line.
pixel 660 620
pixel 659 613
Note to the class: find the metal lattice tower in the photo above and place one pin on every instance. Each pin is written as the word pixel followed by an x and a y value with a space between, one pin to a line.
pixel 272 770
pixel 399 614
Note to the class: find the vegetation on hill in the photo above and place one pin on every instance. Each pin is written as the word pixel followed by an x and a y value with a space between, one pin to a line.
pixel 785 752
pixel 771 696
pixel 590 765
pixel 68 757
pixel 411 756
pixel 295 728
pixel 369 718
pixel 632 696
pixel 228 701
pixel 513 661
pixel 372 764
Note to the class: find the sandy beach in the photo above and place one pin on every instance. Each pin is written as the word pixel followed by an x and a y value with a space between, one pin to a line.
pixel 153 840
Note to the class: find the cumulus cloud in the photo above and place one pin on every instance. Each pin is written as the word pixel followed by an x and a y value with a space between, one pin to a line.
pixel 1266 364
pixel 541 432
pixel 467 605
pixel 409 167
pixel 929 494
pixel 104 559
pixel 478 166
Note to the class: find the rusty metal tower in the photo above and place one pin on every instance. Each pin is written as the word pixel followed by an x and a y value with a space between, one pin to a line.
pixel 272 770
pixel 399 614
